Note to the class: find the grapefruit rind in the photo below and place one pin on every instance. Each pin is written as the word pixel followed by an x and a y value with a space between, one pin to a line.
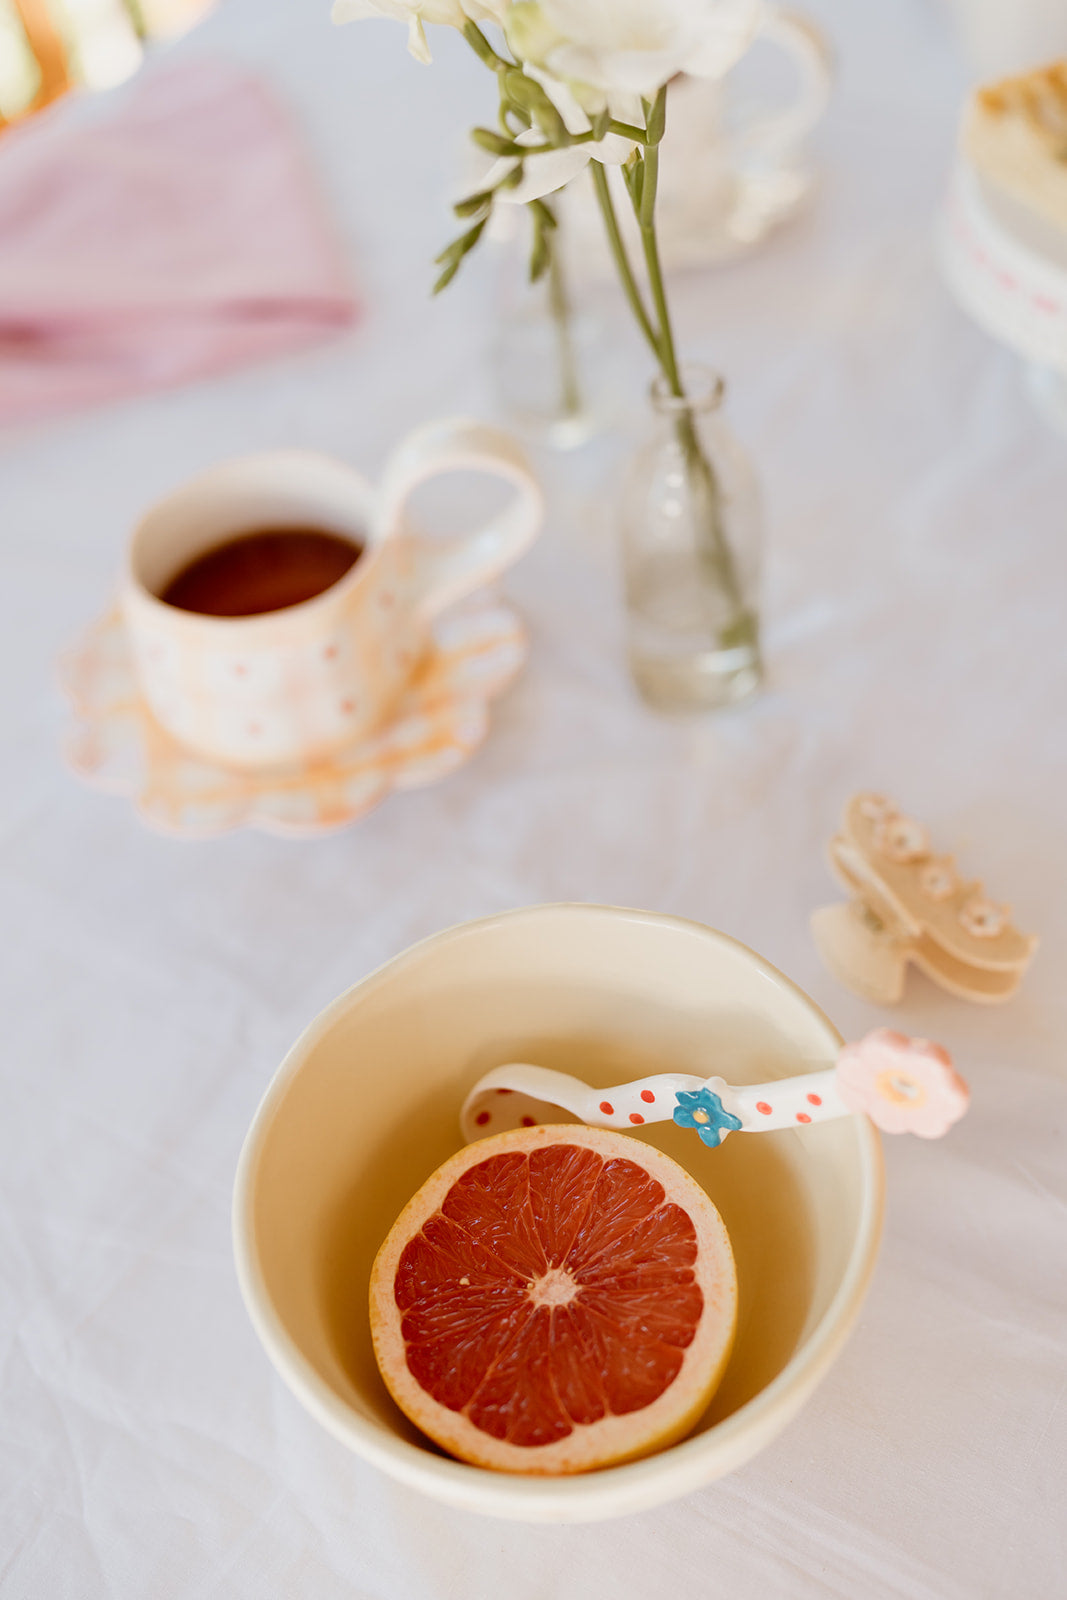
pixel 613 1439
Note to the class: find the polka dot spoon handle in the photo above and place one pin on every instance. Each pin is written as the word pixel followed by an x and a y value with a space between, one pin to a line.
pixel 903 1085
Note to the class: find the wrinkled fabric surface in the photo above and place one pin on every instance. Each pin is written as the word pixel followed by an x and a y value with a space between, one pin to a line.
pixel 164 233
pixel 915 596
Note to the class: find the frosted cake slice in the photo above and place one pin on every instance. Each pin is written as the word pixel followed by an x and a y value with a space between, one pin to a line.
pixel 1015 134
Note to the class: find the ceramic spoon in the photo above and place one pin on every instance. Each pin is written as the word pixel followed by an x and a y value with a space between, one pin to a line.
pixel 903 1085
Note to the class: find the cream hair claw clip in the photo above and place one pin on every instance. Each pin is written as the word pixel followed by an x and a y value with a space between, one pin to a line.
pixel 910 905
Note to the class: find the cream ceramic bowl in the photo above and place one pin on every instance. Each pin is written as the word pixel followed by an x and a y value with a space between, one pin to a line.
pixel 366 1106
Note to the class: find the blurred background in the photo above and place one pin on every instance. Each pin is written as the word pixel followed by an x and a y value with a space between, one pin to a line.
pixel 217 229
pixel 47 48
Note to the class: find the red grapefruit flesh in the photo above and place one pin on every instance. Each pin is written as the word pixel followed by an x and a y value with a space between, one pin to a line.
pixel 553 1300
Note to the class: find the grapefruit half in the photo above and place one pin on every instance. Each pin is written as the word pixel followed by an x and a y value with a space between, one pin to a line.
pixel 553 1300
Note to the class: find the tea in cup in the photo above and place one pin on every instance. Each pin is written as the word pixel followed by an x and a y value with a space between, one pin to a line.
pixel 278 605
pixel 264 569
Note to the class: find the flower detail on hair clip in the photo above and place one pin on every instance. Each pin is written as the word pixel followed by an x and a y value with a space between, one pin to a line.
pixel 938 880
pixel 901 839
pixel 877 807
pixel 903 1085
pixel 982 919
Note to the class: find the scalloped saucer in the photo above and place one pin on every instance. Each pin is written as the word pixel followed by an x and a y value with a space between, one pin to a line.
pixel 441 719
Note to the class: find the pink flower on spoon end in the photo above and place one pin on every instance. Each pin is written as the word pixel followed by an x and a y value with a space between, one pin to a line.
pixel 903 1085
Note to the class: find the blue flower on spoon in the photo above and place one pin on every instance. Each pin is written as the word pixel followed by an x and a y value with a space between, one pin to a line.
pixel 703 1110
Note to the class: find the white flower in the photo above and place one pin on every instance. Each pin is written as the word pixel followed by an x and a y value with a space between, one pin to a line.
pixel 544 173
pixel 630 46
pixel 451 13
pixel 541 175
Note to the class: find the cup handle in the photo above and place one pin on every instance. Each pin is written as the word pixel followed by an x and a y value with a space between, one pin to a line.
pixel 448 569
pixel 776 134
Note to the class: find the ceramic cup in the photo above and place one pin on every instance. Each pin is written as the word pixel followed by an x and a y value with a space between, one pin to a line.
pixel 366 1106
pixel 289 686
pixel 734 163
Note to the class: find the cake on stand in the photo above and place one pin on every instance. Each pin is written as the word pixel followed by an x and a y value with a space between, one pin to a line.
pixel 1006 263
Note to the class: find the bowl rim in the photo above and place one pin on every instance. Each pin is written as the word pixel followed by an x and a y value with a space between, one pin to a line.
pixel 609 1492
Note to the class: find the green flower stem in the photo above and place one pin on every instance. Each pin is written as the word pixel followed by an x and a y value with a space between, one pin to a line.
pixel 645 213
pixel 742 628
pixel 564 141
pixel 642 185
pixel 483 49
pixel 559 306
pixel 485 53
pixel 622 260
pixel 625 130
pixel 717 553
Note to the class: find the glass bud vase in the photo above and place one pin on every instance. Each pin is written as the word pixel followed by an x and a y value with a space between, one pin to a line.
pixel 692 535
pixel 555 367
pixel 551 372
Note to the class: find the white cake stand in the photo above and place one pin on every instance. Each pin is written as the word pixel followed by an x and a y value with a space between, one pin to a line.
pixel 1007 267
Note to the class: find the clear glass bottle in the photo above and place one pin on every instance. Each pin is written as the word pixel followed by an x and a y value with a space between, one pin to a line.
pixel 548 373
pixel 554 365
pixel 692 536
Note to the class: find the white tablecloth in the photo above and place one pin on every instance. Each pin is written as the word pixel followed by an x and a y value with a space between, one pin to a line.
pixel 915 604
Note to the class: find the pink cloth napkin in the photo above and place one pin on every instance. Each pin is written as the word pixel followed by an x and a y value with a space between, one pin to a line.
pixel 171 236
